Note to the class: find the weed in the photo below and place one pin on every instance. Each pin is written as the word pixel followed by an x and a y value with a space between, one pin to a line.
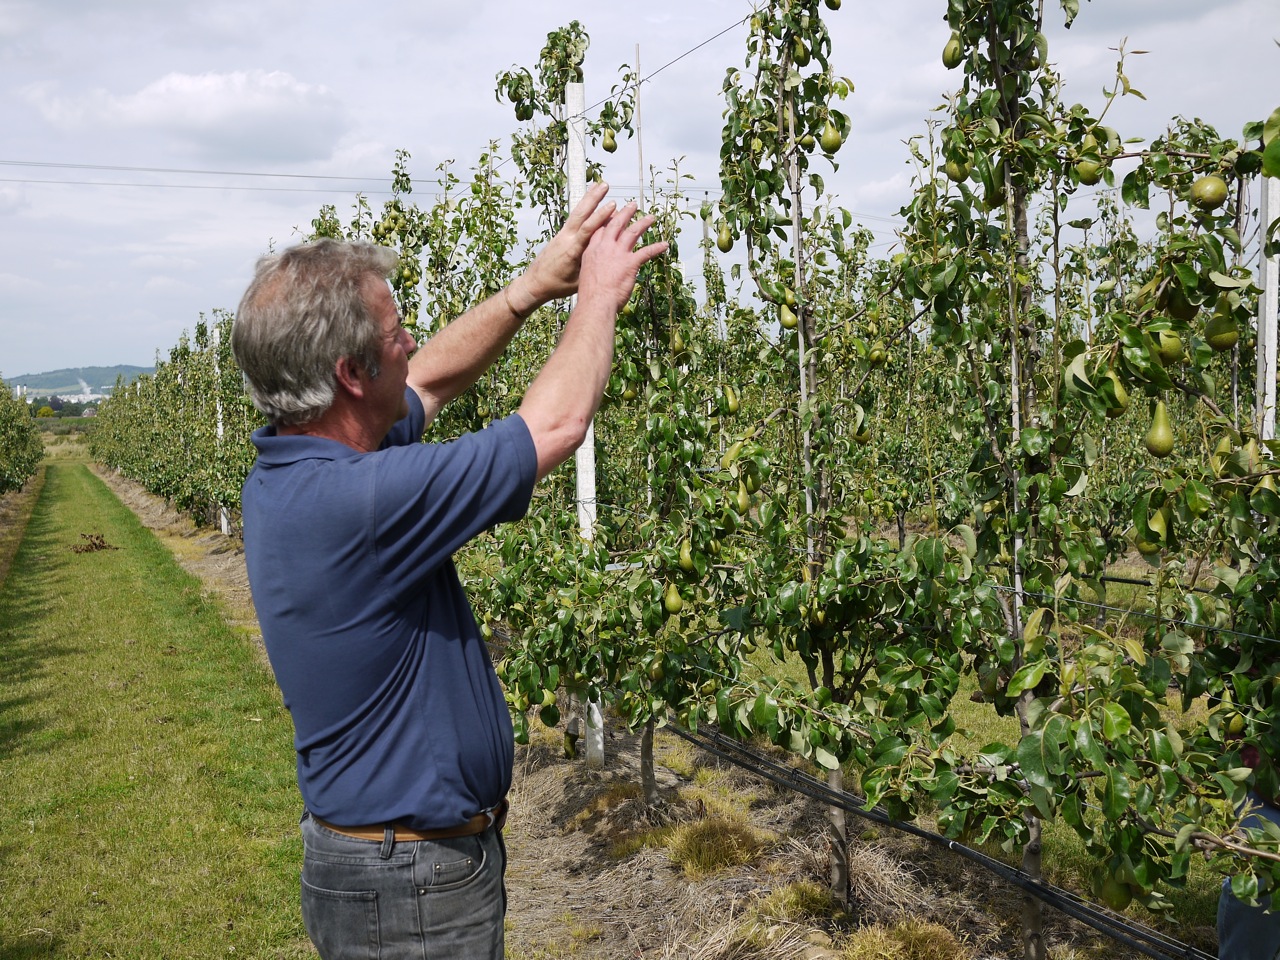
pixel 797 902
pixel 706 846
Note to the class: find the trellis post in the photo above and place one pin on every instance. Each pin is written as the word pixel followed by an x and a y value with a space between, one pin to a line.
pixel 1269 282
pixel 575 103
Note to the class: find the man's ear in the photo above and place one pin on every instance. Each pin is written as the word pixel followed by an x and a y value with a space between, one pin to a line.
pixel 350 376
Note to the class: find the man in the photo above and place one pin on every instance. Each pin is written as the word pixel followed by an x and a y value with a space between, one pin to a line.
pixel 404 744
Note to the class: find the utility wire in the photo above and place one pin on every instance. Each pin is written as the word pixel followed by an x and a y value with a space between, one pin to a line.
pixel 204 173
pixel 1146 614
pixel 331 177
pixel 184 186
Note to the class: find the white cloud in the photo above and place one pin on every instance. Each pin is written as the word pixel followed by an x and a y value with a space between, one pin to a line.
pixel 158 261
pixel 15 17
pixel 254 114
pixel 12 201
pixel 166 285
pixel 13 284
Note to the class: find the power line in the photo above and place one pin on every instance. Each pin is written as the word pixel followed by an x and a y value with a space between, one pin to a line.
pixel 56 165
pixel 183 186
pixel 204 173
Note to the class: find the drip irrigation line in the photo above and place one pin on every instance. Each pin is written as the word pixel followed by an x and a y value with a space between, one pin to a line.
pixel 1146 940
pixel 1134 581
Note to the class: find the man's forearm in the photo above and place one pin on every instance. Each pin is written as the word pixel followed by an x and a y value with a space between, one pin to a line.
pixel 450 362
pixel 563 398
pixel 455 358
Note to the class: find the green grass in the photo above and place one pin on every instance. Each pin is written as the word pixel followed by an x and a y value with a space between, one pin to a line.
pixel 147 798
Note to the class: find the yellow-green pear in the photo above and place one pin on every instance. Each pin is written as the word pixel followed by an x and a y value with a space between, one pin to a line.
pixel 1221 332
pixel 1122 395
pixel 1159 438
pixel 1168 347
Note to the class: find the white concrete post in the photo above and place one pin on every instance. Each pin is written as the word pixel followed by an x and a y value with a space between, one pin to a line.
pixel 575 103
pixel 1269 282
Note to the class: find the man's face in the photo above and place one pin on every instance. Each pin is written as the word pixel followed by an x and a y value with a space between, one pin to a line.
pixel 385 393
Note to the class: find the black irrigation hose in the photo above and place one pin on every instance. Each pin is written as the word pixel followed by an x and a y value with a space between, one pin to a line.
pixel 1143 939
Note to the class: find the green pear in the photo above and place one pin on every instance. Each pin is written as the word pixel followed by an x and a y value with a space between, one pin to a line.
pixel 1159 439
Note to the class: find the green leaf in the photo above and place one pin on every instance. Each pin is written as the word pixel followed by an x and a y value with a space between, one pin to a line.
pixel 1245 885
pixel 1271 158
pixel 1133 647
pixel 1028 675
pixel 1228 283
pixel 889 751
pixel 737 618
pixel 932 553
pixel 1183 840
pixel 1115 721
pixel 1177 642
pixel 1116 794
pixel 765 713
pixel 1032 628
pixel 1265 501
pixel 1044 800
pixel 1271 128
pixel 1088 746
pixel 1135 189
pixel 1076 378
pixel 825 758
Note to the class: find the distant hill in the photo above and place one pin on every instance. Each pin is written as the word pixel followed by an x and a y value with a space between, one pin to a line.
pixel 71 382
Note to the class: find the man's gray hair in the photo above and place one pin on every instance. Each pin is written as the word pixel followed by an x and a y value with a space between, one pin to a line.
pixel 303 312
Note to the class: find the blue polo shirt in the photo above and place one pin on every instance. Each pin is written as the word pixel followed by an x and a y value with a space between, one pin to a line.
pixel 398 715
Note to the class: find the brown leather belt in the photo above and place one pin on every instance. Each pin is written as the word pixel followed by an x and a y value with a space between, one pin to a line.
pixel 481 822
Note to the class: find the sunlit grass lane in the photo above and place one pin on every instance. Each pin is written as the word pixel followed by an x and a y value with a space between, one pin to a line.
pixel 147 799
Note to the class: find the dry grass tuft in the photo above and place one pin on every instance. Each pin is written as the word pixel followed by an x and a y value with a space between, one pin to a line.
pixel 797 902
pixel 706 846
pixel 745 940
pixel 880 884
pixel 912 940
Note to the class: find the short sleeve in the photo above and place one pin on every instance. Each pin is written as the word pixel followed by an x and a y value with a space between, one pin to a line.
pixel 430 499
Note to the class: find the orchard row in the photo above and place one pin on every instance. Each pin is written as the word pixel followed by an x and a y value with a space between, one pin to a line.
pixel 836 490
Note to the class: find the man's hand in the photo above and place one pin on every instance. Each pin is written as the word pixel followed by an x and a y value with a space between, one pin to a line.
pixel 561 401
pixel 611 261
pixel 554 272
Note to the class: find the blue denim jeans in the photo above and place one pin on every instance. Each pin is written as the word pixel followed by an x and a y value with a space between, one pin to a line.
pixel 1248 933
pixel 366 900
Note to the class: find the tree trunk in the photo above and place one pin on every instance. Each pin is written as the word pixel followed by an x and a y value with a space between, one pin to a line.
pixel 839 833
pixel 1032 909
pixel 648 778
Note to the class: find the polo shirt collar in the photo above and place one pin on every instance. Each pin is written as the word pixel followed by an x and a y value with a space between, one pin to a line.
pixel 277 451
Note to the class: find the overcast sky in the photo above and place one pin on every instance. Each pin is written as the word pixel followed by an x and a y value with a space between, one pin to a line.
pixel 102 266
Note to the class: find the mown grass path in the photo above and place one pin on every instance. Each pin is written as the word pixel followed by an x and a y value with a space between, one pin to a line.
pixel 147 798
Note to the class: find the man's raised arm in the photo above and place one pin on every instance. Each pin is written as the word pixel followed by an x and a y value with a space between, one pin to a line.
pixel 565 395
pixel 451 361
